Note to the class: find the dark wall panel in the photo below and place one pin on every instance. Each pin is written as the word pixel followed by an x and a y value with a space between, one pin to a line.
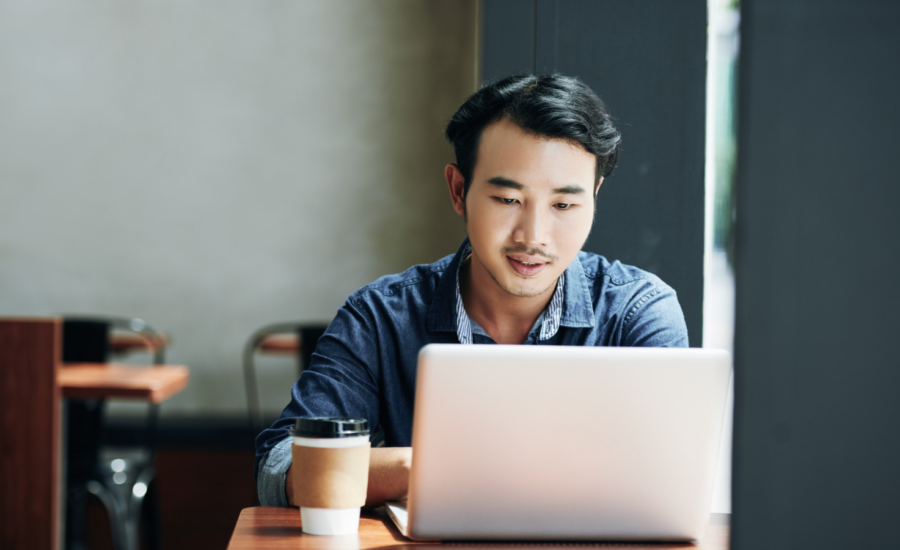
pixel 647 60
pixel 817 372
pixel 507 37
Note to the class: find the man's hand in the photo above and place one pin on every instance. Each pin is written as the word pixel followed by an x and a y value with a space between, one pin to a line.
pixel 388 476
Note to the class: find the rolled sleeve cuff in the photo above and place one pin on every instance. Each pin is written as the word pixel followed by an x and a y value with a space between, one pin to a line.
pixel 272 473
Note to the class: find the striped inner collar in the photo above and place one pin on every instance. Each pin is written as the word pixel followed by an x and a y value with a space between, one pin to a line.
pixel 552 315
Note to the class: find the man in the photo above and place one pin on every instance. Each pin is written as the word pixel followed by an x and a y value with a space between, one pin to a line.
pixel 531 153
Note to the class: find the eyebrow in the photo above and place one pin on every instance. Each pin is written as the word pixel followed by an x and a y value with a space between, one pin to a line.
pixel 569 190
pixel 500 181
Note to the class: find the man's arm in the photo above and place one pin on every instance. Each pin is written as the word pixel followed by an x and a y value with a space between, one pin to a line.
pixel 341 380
pixel 388 476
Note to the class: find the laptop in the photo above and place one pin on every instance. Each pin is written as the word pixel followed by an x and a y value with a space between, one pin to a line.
pixel 559 443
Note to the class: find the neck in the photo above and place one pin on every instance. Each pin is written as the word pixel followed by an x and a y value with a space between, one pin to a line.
pixel 506 318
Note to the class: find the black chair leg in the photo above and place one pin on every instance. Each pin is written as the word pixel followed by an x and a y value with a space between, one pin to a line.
pixel 115 511
pixel 76 500
pixel 151 518
pixel 83 421
pixel 135 503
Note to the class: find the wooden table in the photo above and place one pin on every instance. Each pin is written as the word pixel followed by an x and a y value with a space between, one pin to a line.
pixel 87 381
pixel 273 527
pixel 104 380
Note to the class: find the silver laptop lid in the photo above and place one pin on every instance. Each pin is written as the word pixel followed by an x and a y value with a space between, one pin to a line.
pixel 560 442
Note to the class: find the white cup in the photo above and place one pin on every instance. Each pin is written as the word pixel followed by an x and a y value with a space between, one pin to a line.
pixel 330 521
pixel 325 482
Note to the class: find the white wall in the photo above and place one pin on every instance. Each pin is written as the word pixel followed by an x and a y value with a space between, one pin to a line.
pixel 216 166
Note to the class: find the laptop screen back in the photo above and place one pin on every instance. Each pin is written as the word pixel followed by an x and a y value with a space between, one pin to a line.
pixel 553 442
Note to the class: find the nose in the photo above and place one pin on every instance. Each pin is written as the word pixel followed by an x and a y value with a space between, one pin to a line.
pixel 532 228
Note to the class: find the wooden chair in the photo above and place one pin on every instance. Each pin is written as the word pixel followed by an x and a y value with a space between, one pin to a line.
pixel 30 351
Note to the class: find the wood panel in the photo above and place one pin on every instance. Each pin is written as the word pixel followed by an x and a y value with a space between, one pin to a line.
pixel 201 495
pixel 273 527
pixel 105 380
pixel 30 352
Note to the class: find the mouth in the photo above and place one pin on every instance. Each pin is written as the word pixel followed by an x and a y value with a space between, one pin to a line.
pixel 526 266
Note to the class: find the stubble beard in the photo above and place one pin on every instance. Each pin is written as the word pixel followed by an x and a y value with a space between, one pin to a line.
pixel 519 292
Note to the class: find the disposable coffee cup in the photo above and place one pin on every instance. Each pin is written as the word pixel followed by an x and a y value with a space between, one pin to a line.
pixel 331 473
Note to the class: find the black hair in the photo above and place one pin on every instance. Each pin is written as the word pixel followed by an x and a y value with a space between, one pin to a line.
pixel 554 106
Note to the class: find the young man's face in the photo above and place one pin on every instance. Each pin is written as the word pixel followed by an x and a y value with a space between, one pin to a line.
pixel 529 208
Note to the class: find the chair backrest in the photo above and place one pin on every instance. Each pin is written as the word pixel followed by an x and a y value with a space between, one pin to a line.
pixel 87 339
pixel 30 352
pixel 308 335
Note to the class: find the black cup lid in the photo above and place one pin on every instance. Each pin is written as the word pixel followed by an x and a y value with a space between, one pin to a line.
pixel 330 427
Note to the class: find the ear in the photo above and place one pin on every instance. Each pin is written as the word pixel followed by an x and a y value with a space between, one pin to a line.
pixel 457 184
pixel 597 188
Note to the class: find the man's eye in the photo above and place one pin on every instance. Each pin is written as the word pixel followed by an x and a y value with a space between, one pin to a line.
pixel 507 201
pixel 562 206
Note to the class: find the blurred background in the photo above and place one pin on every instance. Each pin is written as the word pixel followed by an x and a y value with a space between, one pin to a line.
pixel 215 167
pixel 212 167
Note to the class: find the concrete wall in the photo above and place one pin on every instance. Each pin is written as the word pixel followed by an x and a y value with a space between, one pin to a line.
pixel 215 166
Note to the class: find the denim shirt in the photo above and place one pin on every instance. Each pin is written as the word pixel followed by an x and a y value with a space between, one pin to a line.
pixel 364 365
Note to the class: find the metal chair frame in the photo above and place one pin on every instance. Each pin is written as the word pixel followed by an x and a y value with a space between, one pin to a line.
pixel 254 409
pixel 124 500
pixel 305 331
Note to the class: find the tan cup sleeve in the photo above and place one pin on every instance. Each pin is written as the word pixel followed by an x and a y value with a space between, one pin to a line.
pixel 330 478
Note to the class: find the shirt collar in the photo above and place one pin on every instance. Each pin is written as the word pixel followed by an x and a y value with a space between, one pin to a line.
pixel 572 297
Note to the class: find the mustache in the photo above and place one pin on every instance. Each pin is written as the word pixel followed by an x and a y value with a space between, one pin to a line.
pixel 530 251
